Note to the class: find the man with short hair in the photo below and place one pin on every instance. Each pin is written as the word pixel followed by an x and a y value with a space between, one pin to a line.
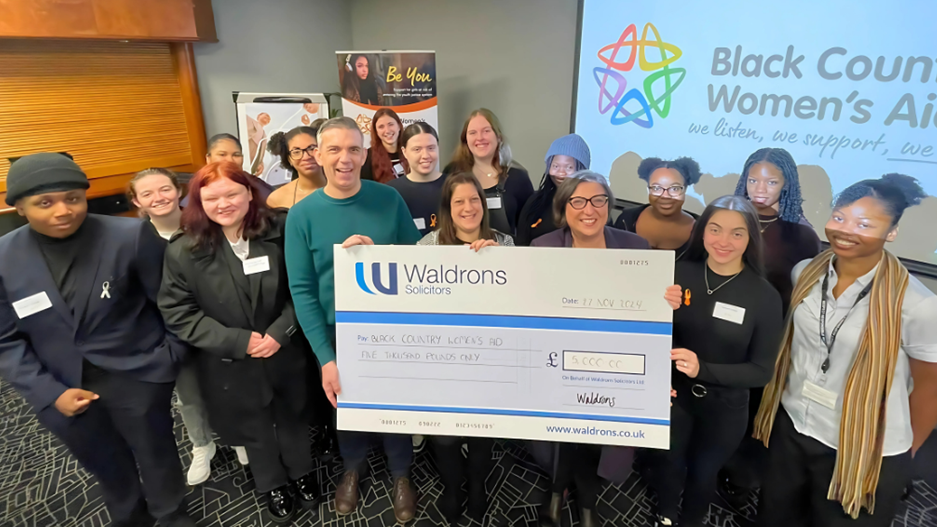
pixel 351 212
pixel 81 338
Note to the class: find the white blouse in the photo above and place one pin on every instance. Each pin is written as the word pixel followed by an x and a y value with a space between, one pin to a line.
pixel 808 352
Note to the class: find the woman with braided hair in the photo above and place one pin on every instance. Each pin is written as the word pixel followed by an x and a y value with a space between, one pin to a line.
pixel 770 181
pixel 840 414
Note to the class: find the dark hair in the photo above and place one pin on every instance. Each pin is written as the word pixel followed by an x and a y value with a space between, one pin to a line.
pixel 279 144
pixel 217 138
pixel 206 233
pixel 686 166
pixel 543 198
pixel 754 253
pixel 463 160
pixel 896 192
pixel 568 187
pixel 381 166
pixel 790 204
pixel 417 128
pixel 352 86
pixel 447 232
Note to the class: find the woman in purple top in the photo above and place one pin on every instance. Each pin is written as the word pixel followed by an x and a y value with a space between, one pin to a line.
pixel 581 208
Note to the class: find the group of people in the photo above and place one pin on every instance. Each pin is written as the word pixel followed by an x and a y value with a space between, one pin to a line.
pixel 228 297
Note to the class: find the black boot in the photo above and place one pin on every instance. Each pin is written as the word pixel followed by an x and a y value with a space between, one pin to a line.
pixel 306 489
pixel 281 506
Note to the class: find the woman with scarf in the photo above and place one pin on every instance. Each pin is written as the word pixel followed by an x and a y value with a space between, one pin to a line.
pixel 842 419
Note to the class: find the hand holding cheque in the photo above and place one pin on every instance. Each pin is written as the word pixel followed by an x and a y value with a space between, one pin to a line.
pixel 446 341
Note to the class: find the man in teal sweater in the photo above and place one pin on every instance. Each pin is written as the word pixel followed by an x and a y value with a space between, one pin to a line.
pixel 350 212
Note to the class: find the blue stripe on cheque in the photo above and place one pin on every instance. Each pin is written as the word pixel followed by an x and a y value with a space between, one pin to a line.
pixel 504 321
pixel 495 411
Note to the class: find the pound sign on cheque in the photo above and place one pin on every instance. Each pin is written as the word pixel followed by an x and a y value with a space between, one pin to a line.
pixel 552 361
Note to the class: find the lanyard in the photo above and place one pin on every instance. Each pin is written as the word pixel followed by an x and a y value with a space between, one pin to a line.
pixel 829 344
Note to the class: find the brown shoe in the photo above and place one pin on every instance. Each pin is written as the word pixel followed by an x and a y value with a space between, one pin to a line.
pixel 404 500
pixel 346 494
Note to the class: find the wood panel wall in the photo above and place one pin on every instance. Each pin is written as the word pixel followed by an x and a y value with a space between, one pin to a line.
pixel 115 107
pixel 164 20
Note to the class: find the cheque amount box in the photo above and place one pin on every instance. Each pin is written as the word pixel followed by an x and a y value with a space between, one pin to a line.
pixel 604 362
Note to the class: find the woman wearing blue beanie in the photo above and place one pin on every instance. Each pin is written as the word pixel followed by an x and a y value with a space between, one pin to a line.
pixel 567 155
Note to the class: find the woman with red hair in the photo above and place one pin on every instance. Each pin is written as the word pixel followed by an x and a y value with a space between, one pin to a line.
pixel 385 161
pixel 225 293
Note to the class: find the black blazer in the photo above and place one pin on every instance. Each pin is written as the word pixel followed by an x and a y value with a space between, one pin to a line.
pixel 41 355
pixel 210 303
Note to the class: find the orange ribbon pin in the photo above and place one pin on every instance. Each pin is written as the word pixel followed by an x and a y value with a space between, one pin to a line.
pixel 432 220
pixel 686 297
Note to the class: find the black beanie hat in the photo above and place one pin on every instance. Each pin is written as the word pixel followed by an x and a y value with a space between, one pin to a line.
pixel 44 172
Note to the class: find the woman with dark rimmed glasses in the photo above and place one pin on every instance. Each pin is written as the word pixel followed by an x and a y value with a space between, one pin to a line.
pixel 581 209
pixel 663 222
pixel 296 150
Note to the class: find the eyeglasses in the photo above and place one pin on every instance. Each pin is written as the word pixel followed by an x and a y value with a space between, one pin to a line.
pixel 674 191
pixel 297 153
pixel 579 203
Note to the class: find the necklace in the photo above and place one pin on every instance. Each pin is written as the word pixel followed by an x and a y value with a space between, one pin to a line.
pixel 295 188
pixel 710 291
pixel 767 223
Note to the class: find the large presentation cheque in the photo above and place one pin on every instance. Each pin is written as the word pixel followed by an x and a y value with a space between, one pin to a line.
pixel 513 342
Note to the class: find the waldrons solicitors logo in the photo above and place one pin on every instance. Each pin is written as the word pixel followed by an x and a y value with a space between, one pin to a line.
pixel 424 279
pixel 660 70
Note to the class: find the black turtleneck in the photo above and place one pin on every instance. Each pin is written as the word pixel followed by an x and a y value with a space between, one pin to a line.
pixel 63 256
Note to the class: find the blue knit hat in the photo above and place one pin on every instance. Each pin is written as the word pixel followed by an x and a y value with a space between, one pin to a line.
pixel 571 145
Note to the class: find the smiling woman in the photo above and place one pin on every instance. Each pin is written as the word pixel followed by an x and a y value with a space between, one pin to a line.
pixel 385 161
pixel 725 338
pixel 860 335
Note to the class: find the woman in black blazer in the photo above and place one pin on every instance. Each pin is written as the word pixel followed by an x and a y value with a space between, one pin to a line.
pixel 225 293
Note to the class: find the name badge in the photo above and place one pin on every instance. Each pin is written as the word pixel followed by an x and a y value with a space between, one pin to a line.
pixel 494 203
pixel 398 170
pixel 420 223
pixel 32 305
pixel 820 395
pixel 729 313
pixel 256 265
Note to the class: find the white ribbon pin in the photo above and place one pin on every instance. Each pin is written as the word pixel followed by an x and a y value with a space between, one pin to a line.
pixel 106 290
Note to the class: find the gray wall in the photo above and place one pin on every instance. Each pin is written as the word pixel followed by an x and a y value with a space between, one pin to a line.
pixel 280 46
pixel 514 57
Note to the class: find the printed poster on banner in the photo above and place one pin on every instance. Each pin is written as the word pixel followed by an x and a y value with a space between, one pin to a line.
pixel 836 89
pixel 260 115
pixel 404 81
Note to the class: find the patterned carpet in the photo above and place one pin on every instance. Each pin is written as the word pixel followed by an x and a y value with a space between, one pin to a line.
pixel 41 485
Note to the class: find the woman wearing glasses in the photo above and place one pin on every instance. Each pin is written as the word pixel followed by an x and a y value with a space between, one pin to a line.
pixel 663 222
pixel 295 150
pixel 567 155
pixel 580 210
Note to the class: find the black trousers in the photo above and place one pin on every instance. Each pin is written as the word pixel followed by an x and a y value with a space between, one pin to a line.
pixel 282 450
pixel 704 432
pixel 748 465
pixel 452 469
pixel 580 464
pixel 799 472
pixel 130 425
pixel 321 412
